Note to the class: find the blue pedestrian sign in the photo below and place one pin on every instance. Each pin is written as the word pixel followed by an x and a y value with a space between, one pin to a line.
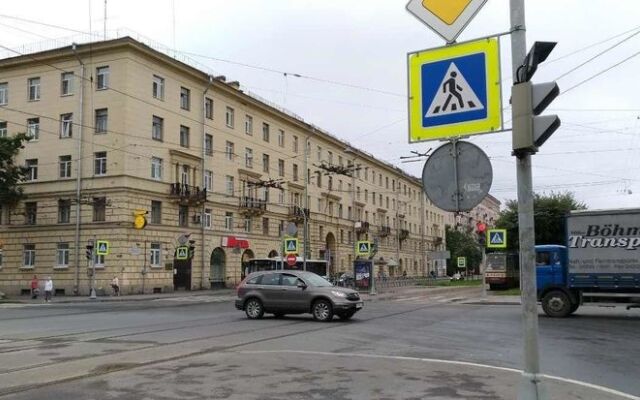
pixel 497 238
pixel 291 246
pixel 454 91
pixel 102 247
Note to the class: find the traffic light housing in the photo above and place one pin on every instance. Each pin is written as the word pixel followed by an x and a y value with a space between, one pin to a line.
pixel 531 130
pixel 89 252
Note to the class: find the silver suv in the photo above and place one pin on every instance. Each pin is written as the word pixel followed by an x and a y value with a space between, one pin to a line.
pixel 295 292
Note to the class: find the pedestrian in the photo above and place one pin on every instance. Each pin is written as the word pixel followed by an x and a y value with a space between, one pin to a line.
pixel 34 287
pixel 48 289
pixel 115 285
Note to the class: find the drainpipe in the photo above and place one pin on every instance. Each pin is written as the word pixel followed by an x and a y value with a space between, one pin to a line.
pixel 76 287
pixel 204 155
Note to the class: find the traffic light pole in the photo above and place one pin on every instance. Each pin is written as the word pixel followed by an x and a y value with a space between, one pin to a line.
pixel 530 387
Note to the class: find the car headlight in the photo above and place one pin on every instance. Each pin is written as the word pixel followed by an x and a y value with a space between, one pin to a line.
pixel 338 293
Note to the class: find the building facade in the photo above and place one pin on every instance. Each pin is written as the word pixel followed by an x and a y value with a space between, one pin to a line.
pixel 120 130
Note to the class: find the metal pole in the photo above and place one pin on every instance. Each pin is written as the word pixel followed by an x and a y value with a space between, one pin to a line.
pixel 76 287
pixel 484 267
pixel 304 253
pixel 530 387
pixel 144 266
pixel 306 202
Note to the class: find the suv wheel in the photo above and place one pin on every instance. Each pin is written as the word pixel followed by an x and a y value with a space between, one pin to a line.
pixel 322 310
pixel 253 308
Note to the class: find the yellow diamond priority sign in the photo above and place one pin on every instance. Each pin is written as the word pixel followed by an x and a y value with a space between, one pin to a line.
pixel 447 18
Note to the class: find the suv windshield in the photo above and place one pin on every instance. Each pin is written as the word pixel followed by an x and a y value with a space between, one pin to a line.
pixel 315 280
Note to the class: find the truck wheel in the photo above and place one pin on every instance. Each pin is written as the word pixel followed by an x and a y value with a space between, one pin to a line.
pixel 556 304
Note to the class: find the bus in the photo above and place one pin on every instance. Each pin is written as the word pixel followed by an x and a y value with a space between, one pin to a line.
pixel 502 270
pixel 267 264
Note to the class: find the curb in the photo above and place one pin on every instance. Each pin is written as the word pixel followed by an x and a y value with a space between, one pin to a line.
pixel 107 299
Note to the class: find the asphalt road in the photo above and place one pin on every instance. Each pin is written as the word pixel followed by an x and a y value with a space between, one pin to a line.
pixel 203 348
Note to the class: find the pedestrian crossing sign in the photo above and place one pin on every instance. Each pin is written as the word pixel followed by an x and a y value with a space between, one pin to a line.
pixel 102 247
pixel 455 91
pixel 497 238
pixel 363 248
pixel 182 253
pixel 291 246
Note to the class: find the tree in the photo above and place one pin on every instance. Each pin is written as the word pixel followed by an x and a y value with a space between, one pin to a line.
pixel 462 244
pixel 549 212
pixel 10 173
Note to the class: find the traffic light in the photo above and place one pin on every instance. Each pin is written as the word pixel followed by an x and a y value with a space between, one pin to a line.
pixel 89 252
pixel 530 129
pixel 192 248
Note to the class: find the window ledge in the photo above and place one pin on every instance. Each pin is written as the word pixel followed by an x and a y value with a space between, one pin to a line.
pixel 59 267
pixel 27 267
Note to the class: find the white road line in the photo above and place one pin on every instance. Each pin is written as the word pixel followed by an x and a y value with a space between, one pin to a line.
pixel 435 360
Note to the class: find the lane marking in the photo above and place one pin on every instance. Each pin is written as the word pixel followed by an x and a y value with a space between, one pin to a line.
pixel 453 362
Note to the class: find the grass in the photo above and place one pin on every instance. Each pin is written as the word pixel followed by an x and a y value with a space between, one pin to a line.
pixel 508 292
pixel 475 282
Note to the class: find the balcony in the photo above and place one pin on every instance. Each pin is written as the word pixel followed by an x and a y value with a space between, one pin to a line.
pixel 362 227
pixel 252 206
pixel 403 235
pixel 187 194
pixel 384 231
pixel 297 214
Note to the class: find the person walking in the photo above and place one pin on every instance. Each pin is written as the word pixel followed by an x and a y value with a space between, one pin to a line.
pixel 34 287
pixel 115 285
pixel 48 289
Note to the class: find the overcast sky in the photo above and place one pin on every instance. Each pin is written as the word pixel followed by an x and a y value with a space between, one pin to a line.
pixel 362 44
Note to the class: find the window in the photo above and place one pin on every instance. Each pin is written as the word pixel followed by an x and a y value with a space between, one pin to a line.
pixel 98 260
pixel 4 93
pixel 281 196
pixel 330 157
pixel 208 108
pixel 34 89
pixel 208 180
pixel 270 279
pixel 65 166
pixel 248 157
pixel 265 226
pixel 66 125
pixel 154 254
pixel 295 172
pixel 207 218
pixel 265 132
pixel 3 129
pixel 32 173
pixel 30 212
pixel 158 87
pixel 100 163
pixel 29 255
pixel 157 128
pixel 228 221
pixel 183 215
pixel 247 224
pixel 184 174
pixel 184 136
pixel 280 137
pixel 319 178
pixel 281 167
pixel 64 211
pixel 66 83
pixel 208 144
pixel 248 125
pixel 33 128
pixel 62 255
pixel 102 75
pixel 156 168
pixel 229 185
pixel 99 209
pixel 229 150
pixel 265 163
pixel 101 120
pixel 156 212
pixel 295 144
pixel 229 118
pixel 319 153
pixel 185 98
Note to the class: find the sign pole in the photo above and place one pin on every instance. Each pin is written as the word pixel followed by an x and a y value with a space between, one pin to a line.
pixel 530 387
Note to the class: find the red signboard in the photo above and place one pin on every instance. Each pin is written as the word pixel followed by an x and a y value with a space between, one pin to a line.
pixel 291 260
pixel 232 241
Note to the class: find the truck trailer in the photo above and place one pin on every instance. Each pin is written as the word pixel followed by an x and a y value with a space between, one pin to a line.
pixel 599 263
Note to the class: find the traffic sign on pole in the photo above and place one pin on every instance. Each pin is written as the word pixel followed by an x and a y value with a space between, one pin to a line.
pixel 291 246
pixel 291 260
pixel 102 247
pixel 454 91
pixel 462 262
pixel 447 18
pixel 363 248
pixel 182 253
pixel 497 238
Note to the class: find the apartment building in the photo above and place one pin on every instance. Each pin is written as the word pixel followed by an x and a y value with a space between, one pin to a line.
pixel 119 130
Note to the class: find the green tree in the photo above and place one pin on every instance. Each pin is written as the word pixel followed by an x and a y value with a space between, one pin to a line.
pixel 10 173
pixel 462 244
pixel 549 217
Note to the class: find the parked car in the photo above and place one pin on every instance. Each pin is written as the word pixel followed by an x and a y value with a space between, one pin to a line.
pixel 295 292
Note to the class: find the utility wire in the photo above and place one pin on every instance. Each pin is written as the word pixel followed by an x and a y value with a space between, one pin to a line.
pixel 600 73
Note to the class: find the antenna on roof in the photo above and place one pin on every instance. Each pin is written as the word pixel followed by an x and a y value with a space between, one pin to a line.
pixel 105 20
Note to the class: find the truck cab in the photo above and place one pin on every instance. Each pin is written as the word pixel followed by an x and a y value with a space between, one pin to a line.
pixel 552 276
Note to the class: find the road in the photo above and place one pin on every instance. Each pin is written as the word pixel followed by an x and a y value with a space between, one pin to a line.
pixel 201 347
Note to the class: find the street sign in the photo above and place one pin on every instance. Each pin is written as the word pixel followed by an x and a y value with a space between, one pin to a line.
pixel 182 253
pixel 454 91
pixel 497 238
pixel 291 246
pixel 457 176
pixel 462 262
pixel 439 255
pixel 363 248
pixel 292 229
pixel 102 247
pixel 291 260
pixel 447 18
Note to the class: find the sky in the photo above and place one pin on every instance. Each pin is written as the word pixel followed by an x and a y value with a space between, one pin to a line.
pixel 342 66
